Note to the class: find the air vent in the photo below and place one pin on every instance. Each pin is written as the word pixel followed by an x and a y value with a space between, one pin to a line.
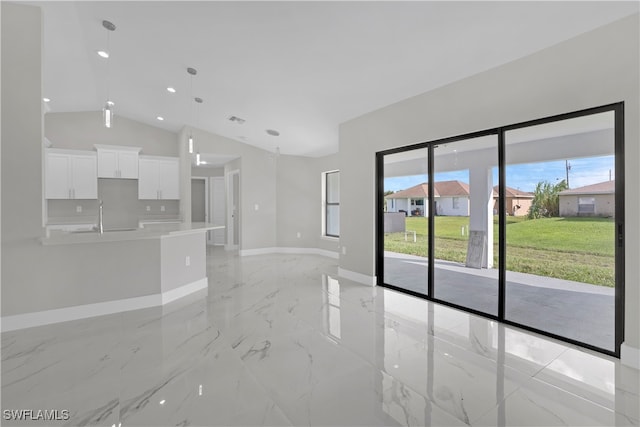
pixel 236 119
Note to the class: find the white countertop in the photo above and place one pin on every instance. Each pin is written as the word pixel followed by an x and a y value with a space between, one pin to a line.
pixel 150 231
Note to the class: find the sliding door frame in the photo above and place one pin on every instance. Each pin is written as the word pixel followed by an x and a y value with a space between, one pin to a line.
pixel 618 109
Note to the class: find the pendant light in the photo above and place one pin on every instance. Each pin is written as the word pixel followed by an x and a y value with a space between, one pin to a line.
pixel 198 102
pixel 192 72
pixel 107 110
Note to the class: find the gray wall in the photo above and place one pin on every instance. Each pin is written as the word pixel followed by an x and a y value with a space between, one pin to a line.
pixel 596 68
pixel 81 130
pixel 299 189
pixel 206 171
pixel 257 185
pixel 121 206
pixel 175 272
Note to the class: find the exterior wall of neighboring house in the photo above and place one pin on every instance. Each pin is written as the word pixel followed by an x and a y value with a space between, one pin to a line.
pixel 397 205
pixel 572 205
pixel 514 206
pixel 452 206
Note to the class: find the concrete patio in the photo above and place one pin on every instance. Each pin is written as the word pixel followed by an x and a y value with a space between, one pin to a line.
pixel 579 311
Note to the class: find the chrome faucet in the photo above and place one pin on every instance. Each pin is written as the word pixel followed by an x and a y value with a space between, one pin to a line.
pixel 100 227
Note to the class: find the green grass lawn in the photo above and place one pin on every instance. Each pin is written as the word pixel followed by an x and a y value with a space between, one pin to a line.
pixel 579 249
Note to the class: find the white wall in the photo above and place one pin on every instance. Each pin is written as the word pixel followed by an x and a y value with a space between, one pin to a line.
pixel 299 194
pixel 445 206
pixel 593 69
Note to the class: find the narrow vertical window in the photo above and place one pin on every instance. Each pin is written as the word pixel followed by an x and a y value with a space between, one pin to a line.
pixel 331 203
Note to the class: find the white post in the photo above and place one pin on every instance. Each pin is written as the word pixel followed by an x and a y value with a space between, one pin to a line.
pixel 481 207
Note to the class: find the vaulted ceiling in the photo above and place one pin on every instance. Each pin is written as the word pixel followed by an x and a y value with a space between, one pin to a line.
pixel 297 67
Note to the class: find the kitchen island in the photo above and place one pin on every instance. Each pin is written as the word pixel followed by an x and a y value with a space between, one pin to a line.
pixel 119 270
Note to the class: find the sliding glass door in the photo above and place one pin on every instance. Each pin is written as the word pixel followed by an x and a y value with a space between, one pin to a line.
pixel 405 213
pixel 465 175
pixel 522 223
pixel 561 228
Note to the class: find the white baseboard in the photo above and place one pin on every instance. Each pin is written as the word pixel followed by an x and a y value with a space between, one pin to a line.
pixel 283 250
pixel 312 251
pixel 184 290
pixel 357 277
pixel 630 356
pixel 46 317
pixel 259 251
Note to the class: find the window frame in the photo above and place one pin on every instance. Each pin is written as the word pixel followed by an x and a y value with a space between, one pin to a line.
pixel 326 204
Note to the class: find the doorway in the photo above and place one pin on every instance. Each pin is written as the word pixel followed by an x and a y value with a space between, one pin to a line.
pixel 233 209
pixel 199 199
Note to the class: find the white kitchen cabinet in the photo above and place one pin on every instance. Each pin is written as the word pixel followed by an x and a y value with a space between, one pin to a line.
pixel 116 161
pixel 71 174
pixel 159 178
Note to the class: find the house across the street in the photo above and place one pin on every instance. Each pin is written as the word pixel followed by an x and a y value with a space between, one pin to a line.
pixel 590 200
pixel 452 199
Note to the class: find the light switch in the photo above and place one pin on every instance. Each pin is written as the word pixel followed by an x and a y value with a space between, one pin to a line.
pixel 298 234
pixel 148 208
pixel 187 261
pixel 78 209
pixel 344 250
pixel 256 207
pixel 162 208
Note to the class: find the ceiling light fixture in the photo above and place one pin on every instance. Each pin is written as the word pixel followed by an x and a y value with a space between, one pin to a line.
pixel 198 102
pixel 160 118
pixel 107 111
pixel 103 54
pixel 273 132
pixel 192 72
pixel 46 99
pixel 171 90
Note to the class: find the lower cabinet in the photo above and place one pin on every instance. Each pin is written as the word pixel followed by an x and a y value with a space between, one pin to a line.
pixel 158 178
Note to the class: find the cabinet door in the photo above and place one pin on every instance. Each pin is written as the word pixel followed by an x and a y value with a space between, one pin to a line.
pixel 128 164
pixel 169 177
pixel 107 164
pixel 84 177
pixel 57 184
pixel 147 179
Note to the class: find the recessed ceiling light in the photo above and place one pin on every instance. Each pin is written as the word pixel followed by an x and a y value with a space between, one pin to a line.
pixel 160 118
pixel 273 132
pixel 170 89
pixel 103 54
pixel 46 99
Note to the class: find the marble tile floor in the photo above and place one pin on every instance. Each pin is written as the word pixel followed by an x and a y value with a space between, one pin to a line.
pixel 281 340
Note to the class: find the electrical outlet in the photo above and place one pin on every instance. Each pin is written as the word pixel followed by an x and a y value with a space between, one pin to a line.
pixel 256 207
pixel 187 261
pixel 162 208
pixel 148 208
pixel 78 209
pixel 344 250
pixel 298 235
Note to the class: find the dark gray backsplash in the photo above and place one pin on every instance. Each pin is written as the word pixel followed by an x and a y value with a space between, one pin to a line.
pixel 121 207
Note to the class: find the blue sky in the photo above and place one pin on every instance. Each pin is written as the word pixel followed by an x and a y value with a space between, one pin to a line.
pixel 525 176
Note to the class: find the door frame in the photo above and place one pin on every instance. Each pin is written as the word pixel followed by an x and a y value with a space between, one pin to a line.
pixel 231 245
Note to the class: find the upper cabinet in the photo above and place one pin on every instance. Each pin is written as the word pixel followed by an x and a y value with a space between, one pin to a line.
pixel 70 174
pixel 159 178
pixel 116 161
